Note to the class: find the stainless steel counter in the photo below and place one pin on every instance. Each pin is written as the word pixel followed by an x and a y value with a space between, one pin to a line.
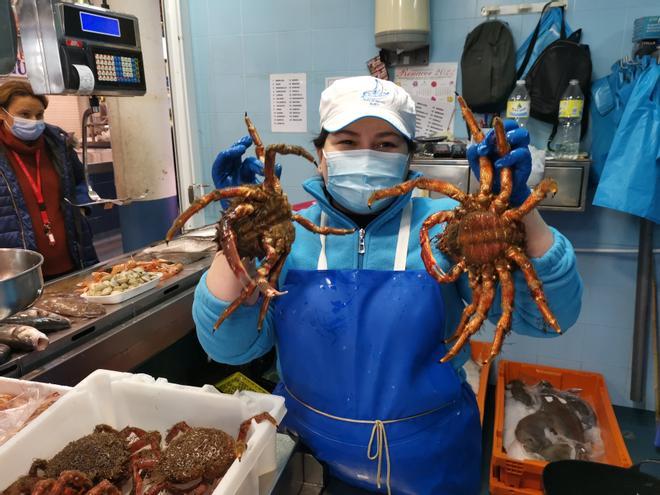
pixel 571 176
pixel 126 336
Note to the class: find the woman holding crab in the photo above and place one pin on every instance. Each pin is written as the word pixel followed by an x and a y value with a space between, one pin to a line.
pixel 360 330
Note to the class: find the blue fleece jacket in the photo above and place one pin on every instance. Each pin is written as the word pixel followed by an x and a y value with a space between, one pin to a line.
pixel 238 340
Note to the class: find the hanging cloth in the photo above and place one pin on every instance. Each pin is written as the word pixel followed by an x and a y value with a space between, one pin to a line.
pixel 630 179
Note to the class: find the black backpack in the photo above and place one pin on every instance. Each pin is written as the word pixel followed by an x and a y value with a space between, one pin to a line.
pixel 488 67
pixel 548 78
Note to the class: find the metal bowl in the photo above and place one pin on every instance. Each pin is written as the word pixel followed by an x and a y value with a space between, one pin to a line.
pixel 21 280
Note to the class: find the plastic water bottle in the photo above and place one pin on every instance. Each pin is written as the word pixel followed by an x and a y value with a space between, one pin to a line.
pixel 567 140
pixel 517 108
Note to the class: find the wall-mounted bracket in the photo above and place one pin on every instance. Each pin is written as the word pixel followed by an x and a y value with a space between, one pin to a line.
pixel 519 8
pixel 419 56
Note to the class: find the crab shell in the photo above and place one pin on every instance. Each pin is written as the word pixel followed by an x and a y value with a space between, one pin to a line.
pixel 198 453
pixel 272 218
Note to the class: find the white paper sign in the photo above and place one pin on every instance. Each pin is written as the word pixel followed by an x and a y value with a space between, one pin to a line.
pixel 288 102
pixel 86 77
pixel 433 89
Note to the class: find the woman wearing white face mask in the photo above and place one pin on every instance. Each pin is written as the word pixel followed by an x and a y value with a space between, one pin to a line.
pixel 38 169
pixel 359 332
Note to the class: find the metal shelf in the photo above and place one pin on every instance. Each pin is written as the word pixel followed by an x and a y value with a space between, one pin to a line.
pixel 571 176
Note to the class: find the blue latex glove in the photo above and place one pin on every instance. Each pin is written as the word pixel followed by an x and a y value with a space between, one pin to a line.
pixel 519 159
pixel 229 170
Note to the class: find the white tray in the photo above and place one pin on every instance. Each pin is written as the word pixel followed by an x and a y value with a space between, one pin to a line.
pixel 127 294
pixel 121 399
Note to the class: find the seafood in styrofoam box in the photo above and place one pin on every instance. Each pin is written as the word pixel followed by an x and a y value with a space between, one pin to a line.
pixel 23 401
pixel 121 399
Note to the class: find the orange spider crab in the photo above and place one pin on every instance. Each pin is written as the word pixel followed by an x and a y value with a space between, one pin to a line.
pixel 485 237
pixel 257 224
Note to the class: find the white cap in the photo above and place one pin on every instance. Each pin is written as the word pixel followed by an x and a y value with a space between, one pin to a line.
pixel 353 98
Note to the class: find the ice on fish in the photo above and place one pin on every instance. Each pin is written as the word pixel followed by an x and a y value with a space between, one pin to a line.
pixel 473 374
pixel 543 423
pixel 23 338
pixel 68 305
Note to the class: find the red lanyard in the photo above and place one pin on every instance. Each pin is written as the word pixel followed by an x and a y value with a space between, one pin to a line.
pixel 36 189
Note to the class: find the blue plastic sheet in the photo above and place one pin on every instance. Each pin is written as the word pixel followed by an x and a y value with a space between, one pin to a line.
pixel 549 32
pixel 630 179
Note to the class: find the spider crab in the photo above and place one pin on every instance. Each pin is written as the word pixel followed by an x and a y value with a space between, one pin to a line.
pixel 485 238
pixel 193 457
pixel 257 224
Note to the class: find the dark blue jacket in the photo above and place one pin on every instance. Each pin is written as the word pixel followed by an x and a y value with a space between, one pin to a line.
pixel 16 229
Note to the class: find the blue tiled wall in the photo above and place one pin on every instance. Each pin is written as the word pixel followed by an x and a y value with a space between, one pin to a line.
pixel 237 44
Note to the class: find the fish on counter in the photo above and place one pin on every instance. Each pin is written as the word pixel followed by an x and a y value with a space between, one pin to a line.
pixel 70 305
pixel 23 338
pixel 45 321
pixel 5 353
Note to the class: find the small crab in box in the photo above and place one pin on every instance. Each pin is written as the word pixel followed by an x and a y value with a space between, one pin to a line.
pixel 194 458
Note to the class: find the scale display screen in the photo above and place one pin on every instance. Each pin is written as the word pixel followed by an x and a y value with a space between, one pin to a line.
pixel 99 24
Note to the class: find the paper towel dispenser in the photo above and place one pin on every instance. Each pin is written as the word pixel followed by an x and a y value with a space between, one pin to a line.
pixel 73 48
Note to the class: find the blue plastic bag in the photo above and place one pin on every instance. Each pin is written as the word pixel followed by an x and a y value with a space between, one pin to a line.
pixel 549 31
pixel 630 179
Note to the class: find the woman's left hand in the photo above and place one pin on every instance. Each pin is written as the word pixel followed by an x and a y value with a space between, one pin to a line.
pixel 519 159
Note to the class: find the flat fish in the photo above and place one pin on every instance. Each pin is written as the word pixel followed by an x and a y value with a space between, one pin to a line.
pixel 68 305
pixel 40 319
pixel 5 353
pixel 23 338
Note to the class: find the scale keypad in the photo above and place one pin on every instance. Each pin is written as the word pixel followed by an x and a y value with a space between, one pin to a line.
pixel 117 69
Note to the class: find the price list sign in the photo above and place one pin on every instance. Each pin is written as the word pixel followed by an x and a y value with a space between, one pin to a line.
pixel 288 102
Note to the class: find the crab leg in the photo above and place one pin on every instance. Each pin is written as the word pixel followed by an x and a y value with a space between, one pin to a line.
pixel 534 284
pixel 227 240
pixel 469 310
pixel 282 149
pixel 427 254
pixel 241 440
pixel 317 229
pixel 485 302
pixel 485 165
pixel 538 194
pixel 104 488
pixel 256 139
pixel 273 278
pixel 245 293
pixel 422 183
pixel 229 192
pixel 500 203
pixel 504 323
pixel 272 256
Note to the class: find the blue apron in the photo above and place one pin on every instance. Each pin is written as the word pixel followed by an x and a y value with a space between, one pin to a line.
pixel 359 353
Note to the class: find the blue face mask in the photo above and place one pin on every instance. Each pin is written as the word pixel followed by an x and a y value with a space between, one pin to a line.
pixel 353 176
pixel 26 129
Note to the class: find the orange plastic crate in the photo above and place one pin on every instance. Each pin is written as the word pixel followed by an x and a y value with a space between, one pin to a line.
pixel 479 351
pixel 512 477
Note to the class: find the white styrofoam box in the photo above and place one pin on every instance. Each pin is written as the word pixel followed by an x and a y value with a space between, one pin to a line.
pixel 123 399
pixel 15 386
pixel 9 419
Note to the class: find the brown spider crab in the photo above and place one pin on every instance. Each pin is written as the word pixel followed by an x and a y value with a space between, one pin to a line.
pixel 194 457
pixel 485 238
pixel 257 224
